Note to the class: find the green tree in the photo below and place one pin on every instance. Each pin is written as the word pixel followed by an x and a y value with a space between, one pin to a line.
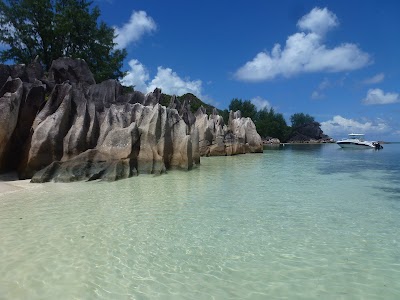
pixel 299 119
pixel 247 108
pixel 225 115
pixel 50 29
pixel 271 124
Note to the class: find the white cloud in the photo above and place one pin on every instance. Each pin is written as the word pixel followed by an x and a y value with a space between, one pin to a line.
pixel 260 103
pixel 171 83
pixel 340 127
pixel 374 79
pixel 377 96
pixel 305 53
pixel 137 76
pixel 319 92
pixel 318 21
pixel 166 79
pixel 138 25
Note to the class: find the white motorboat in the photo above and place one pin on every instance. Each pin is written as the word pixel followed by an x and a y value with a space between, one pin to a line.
pixel 357 141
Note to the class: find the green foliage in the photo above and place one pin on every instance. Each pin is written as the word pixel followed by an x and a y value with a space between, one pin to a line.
pixel 299 119
pixel 247 108
pixel 225 115
pixel 195 102
pixel 127 89
pixel 50 29
pixel 271 124
pixel 267 121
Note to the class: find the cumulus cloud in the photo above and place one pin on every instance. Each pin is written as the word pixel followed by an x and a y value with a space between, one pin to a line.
pixel 318 21
pixel 166 79
pixel 375 79
pixel 305 52
pixel 138 25
pixel 340 126
pixel 137 76
pixel 171 83
pixel 377 96
pixel 260 103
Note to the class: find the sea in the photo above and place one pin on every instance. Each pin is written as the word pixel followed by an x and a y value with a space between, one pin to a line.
pixel 294 222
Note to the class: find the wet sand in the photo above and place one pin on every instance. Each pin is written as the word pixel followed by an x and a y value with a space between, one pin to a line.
pixel 9 183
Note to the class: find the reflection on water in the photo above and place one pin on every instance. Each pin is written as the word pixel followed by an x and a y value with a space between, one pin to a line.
pixel 307 222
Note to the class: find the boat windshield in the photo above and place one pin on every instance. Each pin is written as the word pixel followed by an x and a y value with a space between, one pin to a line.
pixel 356 136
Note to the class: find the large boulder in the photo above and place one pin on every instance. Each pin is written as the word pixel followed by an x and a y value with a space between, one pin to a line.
pixel 104 94
pixel 33 100
pixel 72 70
pixel 49 129
pixel 30 73
pixel 245 130
pixel 89 165
pixel 4 74
pixel 10 99
pixel 132 139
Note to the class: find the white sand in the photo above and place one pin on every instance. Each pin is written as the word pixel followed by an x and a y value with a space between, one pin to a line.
pixel 9 183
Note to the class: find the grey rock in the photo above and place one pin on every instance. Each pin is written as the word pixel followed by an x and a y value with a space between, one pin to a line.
pixel 4 74
pixel 88 131
pixel 19 71
pixel 152 98
pixel 32 101
pixel 49 129
pixel 215 138
pixel 72 70
pixel 10 100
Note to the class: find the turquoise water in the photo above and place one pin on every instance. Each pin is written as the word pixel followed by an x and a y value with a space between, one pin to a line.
pixel 299 222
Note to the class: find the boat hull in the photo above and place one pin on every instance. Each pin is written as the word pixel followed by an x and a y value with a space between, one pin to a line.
pixel 350 145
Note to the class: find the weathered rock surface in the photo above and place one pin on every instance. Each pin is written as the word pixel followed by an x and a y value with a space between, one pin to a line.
pixel 215 138
pixel 72 70
pixel 131 139
pixel 89 131
pixel 10 100
pixel 271 140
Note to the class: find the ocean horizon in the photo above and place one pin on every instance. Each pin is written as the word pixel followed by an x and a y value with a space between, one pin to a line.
pixel 310 221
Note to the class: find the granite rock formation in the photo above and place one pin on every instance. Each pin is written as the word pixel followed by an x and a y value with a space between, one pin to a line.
pixel 239 136
pixel 66 127
pixel 10 101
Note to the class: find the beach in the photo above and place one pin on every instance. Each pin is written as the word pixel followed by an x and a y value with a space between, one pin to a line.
pixel 298 222
pixel 9 183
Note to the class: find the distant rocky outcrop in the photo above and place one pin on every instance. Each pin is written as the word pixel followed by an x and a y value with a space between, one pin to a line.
pixel 88 131
pixel 239 136
pixel 271 141
pixel 308 133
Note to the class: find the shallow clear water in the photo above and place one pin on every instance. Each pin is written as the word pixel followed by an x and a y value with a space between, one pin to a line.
pixel 301 222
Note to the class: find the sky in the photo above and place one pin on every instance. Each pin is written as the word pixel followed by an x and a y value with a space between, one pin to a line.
pixel 338 61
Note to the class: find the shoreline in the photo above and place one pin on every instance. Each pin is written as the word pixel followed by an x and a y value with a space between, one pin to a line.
pixel 9 183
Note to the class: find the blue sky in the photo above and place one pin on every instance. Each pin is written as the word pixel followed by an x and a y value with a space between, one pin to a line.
pixel 338 61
